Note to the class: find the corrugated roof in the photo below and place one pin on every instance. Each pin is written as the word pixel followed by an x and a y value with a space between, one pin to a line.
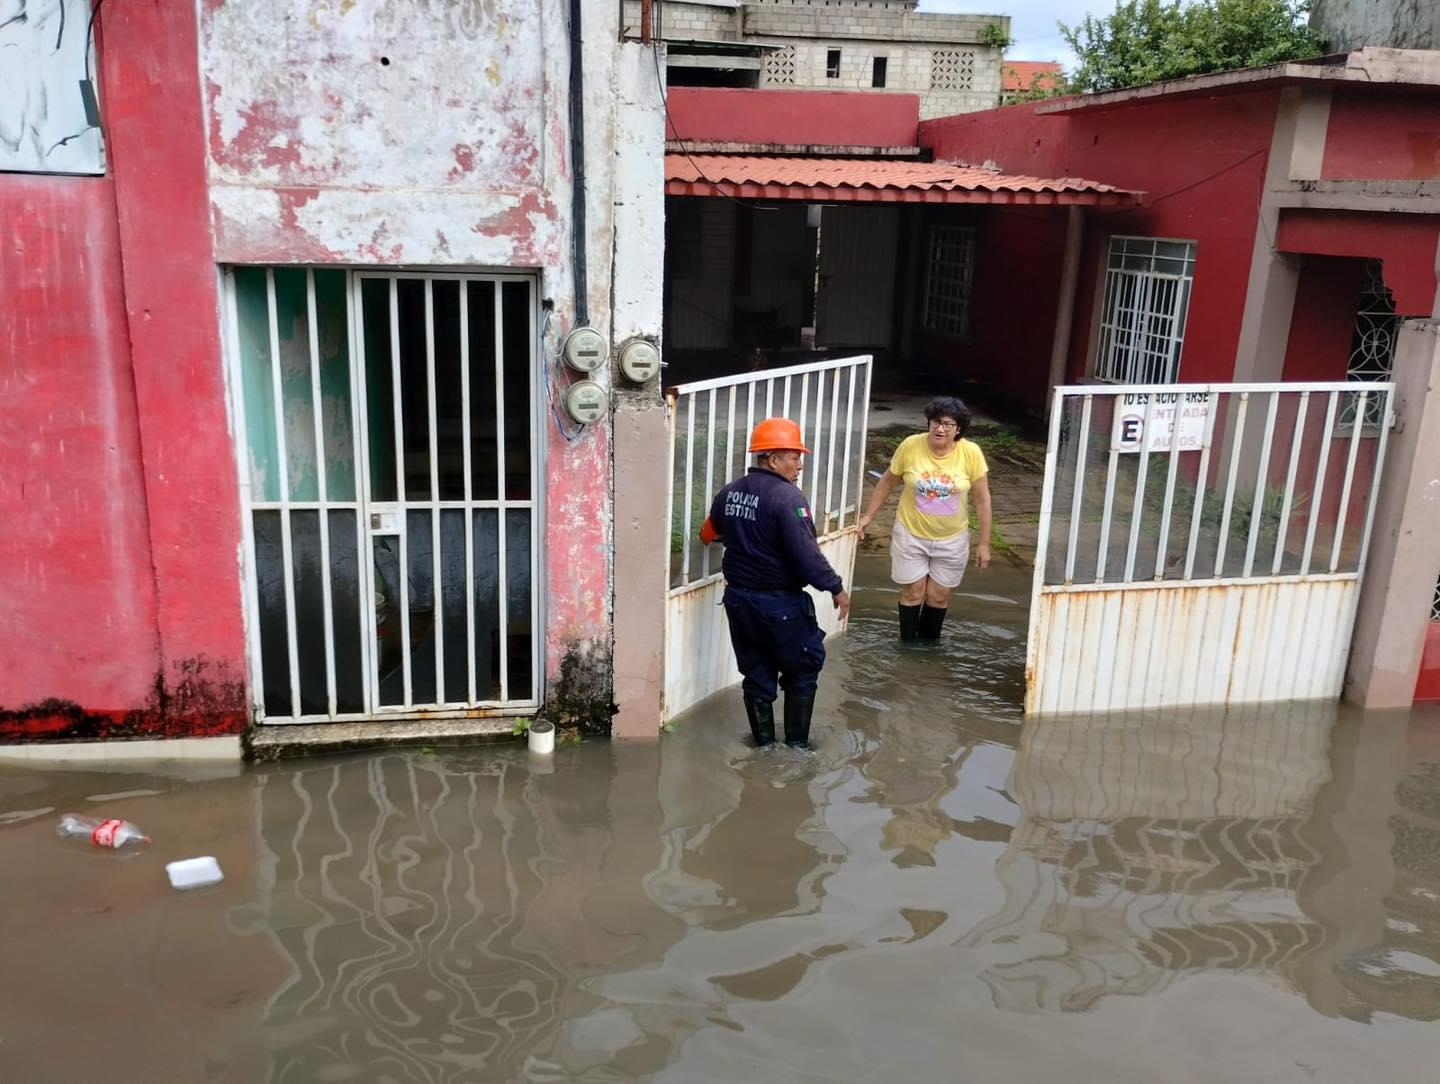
pixel 873 180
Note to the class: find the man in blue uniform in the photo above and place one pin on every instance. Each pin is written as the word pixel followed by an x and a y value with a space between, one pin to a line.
pixel 770 557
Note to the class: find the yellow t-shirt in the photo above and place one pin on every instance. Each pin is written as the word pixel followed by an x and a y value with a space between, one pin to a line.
pixel 936 501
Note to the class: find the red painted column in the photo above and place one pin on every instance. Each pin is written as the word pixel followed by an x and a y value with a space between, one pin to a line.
pixel 155 141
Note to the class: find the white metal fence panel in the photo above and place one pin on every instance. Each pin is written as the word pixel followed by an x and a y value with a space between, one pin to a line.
pixel 710 423
pixel 1201 543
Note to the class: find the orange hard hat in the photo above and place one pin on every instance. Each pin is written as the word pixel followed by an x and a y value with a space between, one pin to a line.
pixel 777 435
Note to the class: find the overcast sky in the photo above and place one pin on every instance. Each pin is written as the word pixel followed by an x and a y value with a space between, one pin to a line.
pixel 1032 22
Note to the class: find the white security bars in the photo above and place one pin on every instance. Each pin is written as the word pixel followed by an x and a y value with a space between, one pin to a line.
pixel 711 422
pixel 386 441
pixel 1175 521
pixel 1147 297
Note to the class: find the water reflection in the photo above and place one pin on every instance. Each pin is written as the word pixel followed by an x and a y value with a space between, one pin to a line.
pixel 438 915
pixel 1153 847
pixel 906 898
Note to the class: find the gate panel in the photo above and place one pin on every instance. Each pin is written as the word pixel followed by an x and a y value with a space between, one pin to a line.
pixel 1202 544
pixel 710 422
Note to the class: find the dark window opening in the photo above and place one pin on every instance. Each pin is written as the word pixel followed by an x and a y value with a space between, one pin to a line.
pixel 877 76
pixel 832 64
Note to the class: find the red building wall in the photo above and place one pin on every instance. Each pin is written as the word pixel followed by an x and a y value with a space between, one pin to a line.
pixel 792 117
pixel 120 568
pixel 1392 135
pixel 1011 329
pixel 1201 164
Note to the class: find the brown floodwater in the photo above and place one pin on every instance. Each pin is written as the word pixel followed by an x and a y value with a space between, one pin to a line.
pixel 939 892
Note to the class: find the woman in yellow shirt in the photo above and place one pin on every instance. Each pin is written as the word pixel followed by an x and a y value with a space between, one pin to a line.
pixel 941 473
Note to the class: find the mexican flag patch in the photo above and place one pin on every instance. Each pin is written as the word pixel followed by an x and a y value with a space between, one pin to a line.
pixel 802 512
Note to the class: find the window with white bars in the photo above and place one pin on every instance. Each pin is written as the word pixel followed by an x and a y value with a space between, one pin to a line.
pixel 952 69
pixel 1435 603
pixel 950 269
pixel 1147 296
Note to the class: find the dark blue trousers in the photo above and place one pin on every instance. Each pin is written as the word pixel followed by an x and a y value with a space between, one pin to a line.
pixel 777 641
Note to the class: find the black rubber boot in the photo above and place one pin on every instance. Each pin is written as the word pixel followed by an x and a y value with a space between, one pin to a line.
pixel 761 714
pixel 909 622
pixel 930 621
pixel 798 709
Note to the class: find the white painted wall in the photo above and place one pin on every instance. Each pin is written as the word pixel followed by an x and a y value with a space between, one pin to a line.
pixel 42 116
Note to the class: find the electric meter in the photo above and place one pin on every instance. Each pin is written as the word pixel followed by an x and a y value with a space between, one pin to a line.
pixel 585 401
pixel 584 349
pixel 639 361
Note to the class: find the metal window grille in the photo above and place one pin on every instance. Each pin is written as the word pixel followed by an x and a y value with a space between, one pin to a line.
pixel 952 69
pixel 1435 603
pixel 950 270
pixel 1147 297
pixel 1372 346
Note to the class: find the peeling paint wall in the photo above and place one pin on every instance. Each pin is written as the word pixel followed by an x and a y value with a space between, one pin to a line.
pixel 436 134
pixel 345 133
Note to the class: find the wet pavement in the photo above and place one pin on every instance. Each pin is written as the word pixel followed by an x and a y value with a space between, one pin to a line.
pixel 936 893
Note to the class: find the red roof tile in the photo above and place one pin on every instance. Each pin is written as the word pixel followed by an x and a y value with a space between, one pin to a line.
pixel 1022 74
pixel 872 179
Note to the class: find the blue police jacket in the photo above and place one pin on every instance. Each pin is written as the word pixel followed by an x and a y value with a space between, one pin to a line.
pixel 769 536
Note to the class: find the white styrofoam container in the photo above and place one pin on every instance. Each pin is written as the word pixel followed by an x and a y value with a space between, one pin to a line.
pixel 194 872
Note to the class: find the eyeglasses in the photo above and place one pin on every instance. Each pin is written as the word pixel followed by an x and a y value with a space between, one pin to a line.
pixel 944 426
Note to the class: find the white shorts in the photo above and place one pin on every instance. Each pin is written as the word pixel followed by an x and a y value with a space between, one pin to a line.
pixel 943 560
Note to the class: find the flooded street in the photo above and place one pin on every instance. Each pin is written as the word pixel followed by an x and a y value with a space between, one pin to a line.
pixel 935 893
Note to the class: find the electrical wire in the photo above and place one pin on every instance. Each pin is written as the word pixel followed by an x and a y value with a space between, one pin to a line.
pixel 670 124
pixel 550 362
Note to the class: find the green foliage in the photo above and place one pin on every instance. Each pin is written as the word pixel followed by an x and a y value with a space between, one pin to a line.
pixel 1144 41
pixel 667 727
pixel 1003 442
pixel 520 728
pixel 994 37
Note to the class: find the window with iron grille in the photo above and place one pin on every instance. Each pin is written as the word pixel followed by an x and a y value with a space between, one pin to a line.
pixel 947 282
pixel 1435 603
pixel 1372 344
pixel 1147 296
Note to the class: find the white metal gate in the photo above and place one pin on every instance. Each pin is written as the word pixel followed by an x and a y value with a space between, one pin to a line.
pixel 385 430
pixel 1202 544
pixel 710 423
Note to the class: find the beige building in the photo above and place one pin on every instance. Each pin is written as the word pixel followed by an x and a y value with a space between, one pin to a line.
pixel 953 62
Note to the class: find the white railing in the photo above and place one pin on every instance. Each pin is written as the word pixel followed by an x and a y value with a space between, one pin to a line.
pixel 710 424
pixel 1175 483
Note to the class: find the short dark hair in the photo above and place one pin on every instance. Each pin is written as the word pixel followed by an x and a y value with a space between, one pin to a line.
pixel 947 406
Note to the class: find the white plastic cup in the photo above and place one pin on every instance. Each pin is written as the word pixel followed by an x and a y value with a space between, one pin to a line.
pixel 542 738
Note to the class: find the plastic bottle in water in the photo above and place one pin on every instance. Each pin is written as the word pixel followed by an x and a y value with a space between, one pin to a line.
pixel 103 833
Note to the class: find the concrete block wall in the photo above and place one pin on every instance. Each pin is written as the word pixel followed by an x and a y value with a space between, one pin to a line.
pixel 676 21
pixel 869 22
pixel 908 71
